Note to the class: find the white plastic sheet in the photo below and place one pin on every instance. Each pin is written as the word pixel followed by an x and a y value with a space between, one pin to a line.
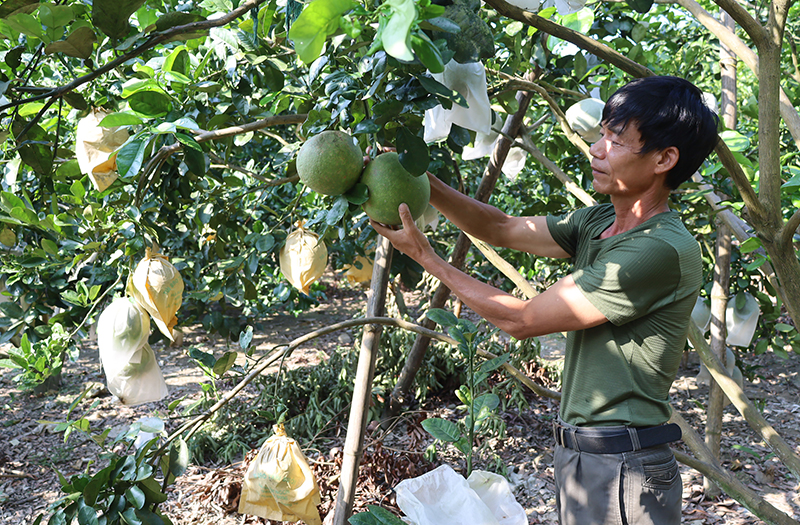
pixel 444 497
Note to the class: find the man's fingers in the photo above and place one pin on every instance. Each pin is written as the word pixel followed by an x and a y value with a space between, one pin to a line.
pixel 405 214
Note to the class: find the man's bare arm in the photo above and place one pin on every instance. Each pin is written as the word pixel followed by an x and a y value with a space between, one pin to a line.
pixel 563 307
pixel 486 222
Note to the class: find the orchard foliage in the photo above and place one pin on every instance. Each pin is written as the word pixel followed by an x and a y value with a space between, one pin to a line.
pixel 218 95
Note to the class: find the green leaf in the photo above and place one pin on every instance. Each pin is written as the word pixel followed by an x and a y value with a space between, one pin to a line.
pixel 111 16
pixel 442 429
pixel 642 6
pixel 120 119
pixel 783 327
pixel 150 104
pixel 179 453
pixel 193 154
pixel 49 246
pixel 395 33
pixel 79 44
pixel 441 317
pixel 434 87
pixel 152 491
pixel 8 237
pixel 265 243
pixel 413 152
pixel 375 516
pixel 87 516
pixel 9 7
pixel 135 496
pixel 427 52
pixel 25 24
pixel 358 194
pixel 93 488
pixel 337 211
pixel 580 21
pixel 54 15
pixel 750 245
pixel 130 518
pixel 130 157
pixel 484 405
pixel 149 518
pixel 222 365
pixel 735 140
pixel 318 20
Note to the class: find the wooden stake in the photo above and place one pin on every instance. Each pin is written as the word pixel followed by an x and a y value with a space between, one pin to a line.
pixel 362 391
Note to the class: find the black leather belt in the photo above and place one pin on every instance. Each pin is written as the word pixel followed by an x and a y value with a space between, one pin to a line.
pixel 614 440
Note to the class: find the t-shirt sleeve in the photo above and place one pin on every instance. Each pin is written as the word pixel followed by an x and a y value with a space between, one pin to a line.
pixel 631 279
pixel 565 231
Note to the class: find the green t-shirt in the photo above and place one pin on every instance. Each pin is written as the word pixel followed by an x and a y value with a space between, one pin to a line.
pixel 645 282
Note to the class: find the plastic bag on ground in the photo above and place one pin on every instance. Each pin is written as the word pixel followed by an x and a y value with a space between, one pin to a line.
pixel 157 286
pixel 495 491
pixel 442 497
pixel 279 484
pixel 122 329
pixel 140 379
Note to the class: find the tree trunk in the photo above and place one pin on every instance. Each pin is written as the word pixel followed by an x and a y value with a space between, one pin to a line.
pixel 414 360
pixel 719 302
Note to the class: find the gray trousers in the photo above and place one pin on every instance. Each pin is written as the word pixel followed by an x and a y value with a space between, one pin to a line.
pixel 632 488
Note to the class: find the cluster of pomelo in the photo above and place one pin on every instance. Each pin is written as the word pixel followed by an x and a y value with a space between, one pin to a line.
pixel 331 163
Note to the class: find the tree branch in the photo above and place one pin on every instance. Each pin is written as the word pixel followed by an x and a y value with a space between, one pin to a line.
pixel 193 425
pixel 602 51
pixel 745 407
pixel 739 177
pixel 750 25
pixel 528 145
pixel 788 112
pixel 790 228
pixel 151 42
pixel 524 85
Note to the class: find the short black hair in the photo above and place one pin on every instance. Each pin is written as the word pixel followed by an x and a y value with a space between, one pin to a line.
pixel 667 111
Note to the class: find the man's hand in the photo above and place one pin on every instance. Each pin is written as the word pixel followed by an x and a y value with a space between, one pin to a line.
pixel 407 239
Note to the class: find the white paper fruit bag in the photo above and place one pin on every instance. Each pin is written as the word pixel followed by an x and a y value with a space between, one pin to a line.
pixel 122 329
pixel 157 286
pixel 279 484
pixel 140 379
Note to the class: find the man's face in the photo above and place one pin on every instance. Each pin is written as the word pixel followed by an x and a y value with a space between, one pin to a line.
pixel 617 166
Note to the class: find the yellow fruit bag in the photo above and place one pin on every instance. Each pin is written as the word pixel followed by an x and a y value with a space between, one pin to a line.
pixel 93 147
pixel 356 275
pixel 279 484
pixel 303 259
pixel 157 286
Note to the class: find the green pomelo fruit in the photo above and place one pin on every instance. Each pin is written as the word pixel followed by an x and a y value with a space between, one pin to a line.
pixel 390 185
pixel 330 163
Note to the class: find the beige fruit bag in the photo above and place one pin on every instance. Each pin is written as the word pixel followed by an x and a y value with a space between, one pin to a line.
pixel 157 286
pixel 94 146
pixel 303 259
pixel 279 484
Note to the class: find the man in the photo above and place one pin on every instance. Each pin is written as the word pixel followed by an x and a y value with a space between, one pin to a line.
pixel 627 304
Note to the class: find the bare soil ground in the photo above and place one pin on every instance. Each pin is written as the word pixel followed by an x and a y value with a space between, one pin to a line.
pixel 30 451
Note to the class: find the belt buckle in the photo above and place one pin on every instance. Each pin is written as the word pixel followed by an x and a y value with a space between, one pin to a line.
pixel 558 434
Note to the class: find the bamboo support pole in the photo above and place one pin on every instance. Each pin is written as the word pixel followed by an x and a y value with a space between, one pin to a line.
pixel 362 391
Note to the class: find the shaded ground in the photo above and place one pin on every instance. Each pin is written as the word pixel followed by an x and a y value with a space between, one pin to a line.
pixel 30 450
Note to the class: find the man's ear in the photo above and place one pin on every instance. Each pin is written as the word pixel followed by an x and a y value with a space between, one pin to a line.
pixel 667 159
